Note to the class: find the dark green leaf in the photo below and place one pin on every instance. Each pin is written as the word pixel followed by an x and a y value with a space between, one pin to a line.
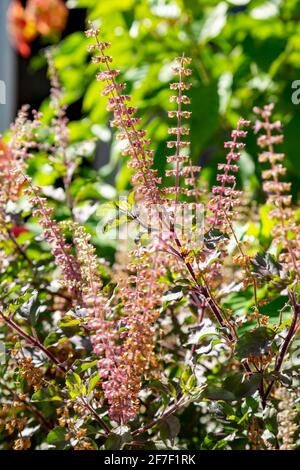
pixel 69 320
pixel 266 265
pixel 94 380
pixel 218 393
pixel 242 388
pixel 31 309
pixel 213 237
pixel 254 343
pixel 56 436
pixel 169 428
pixel 47 394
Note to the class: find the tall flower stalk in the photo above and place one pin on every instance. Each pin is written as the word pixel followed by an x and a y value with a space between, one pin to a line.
pixel 14 156
pixel 142 301
pixel 286 231
pixel 225 196
pixel 59 127
pixel 99 319
pixel 53 234
pixel 180 160
pixel 141 157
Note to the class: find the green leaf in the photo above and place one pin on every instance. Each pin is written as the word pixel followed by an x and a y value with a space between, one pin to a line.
pixel 69 320
pixel 47 394
pixel 242 388
pixel 218 393
pixel 113 442
pixel 118 438
pixel 213 237
pixel 234 388
pixel 56 436
pixel 73 379
pixel 94 380
pixel 51 339
pixel 74 384
pixel 203 124
pixel 188 380
pixel 177 294
pixel 124 204
pixel 167 389
pixel 285 377
pixel 80 367
pixel 252 404
pixel 214 22
pixel 169 428
pixel 115 222
pixel 31 309
pixel 254 343
pixel 201 333
pixel 266 265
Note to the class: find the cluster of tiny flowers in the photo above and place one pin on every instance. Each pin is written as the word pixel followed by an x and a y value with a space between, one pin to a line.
pixel 21 143
pixel 33 375
pixel 255 435
pixel 14 155
pixel 180 160
pixel 86 258
pixel 142 299
pixel 225 197
pixel 104 335
pixel 59 128
pixel 53 234
pixel 12 421
pixel 75 435
pixel 59 121
pixel 287 427
pixel 286 231
pixel 136 141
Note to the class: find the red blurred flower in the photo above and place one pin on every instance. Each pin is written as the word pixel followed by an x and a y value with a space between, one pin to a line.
pixel 50 15
pixel 38 17
pixel 22 28
pixel 18 229
pixel 5 167
pixel 4 156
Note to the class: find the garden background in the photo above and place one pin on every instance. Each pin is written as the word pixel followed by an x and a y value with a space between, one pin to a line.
pixel 245 53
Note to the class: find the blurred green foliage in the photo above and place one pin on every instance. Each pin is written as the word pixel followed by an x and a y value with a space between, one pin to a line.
pixel 245 53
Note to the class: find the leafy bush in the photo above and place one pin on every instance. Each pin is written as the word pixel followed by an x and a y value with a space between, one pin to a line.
pixel 185 336
pixel 244 54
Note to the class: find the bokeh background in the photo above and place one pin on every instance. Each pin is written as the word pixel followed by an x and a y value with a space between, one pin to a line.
pixel 245 53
